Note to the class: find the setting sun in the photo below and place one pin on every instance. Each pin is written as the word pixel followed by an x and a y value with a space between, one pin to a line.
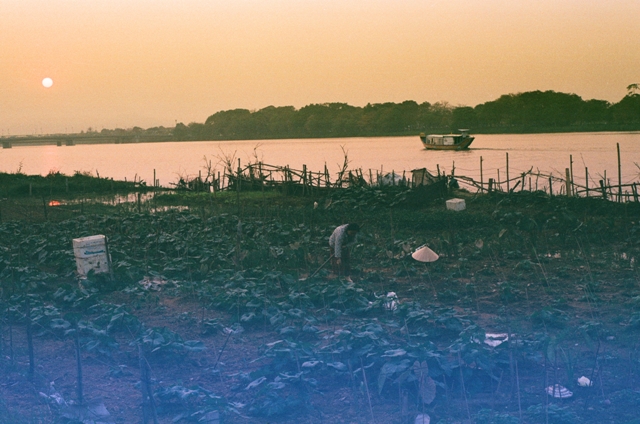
pixel 47 82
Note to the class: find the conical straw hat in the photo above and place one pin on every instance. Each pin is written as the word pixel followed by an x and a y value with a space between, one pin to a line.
pixel 424 254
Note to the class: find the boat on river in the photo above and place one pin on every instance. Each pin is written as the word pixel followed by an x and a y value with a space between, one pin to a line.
pixel 447 142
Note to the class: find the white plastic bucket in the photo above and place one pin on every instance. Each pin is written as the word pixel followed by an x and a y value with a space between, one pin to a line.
pixel 456 204
pixel 91 254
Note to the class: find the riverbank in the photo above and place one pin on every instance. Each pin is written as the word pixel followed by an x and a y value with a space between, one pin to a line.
pixel 213 287
pixel 67 140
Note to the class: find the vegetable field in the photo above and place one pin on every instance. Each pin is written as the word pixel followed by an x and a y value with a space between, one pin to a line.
pixel 208 315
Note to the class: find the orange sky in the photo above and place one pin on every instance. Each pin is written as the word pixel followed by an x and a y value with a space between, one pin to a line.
pixel 121 63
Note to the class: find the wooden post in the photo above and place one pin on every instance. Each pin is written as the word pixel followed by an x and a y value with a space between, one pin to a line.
pixel 508 183
pixel 498 184
pixel 604 190
pixel 154 177
pixel 481 177
pixel 571 175
pixel 619 174
pixel 635 192
pixel 490 185
pixel 304 178
pixel 550 187
pixel 567 172
pixel 586 180
pixel 326 175
pixel 610 189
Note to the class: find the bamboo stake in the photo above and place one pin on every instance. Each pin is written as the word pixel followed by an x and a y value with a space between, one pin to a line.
pixel 508 184
pixel 79 388
pixel 481 177
pixel 619 174
pixel 149 411
pixel 366 386
pixel 586 180
pixel 571 175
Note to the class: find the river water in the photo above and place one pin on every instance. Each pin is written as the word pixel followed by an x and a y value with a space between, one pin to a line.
pixel 544 153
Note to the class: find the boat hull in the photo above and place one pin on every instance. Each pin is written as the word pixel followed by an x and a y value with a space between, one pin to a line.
pixel 448 142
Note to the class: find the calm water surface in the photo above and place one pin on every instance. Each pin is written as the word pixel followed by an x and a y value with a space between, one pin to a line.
pixel 547 153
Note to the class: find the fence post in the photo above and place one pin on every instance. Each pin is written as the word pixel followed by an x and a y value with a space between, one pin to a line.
pixel 490 185
pixel 604 190
pixel 326 175
pixel 481 177
pixel 586 180
pixel 619 174
pixel 304 178
pixel 568 181
pixel 571 175
pixel 508 183
pixel 550 187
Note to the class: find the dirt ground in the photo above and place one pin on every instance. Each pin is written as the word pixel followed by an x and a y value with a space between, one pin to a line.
pixel 342 399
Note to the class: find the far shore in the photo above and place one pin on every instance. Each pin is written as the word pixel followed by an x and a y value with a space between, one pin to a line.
pixel 96 138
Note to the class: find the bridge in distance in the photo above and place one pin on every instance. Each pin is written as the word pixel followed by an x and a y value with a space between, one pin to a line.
pixel 82 138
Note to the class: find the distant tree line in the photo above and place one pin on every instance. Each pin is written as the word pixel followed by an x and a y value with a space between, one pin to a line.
pixel 530 112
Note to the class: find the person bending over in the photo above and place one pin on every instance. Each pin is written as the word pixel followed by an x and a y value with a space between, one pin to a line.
pixel 341 240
